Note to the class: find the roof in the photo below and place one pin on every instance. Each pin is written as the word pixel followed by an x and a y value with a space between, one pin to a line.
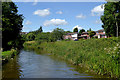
pixel 99 34
pixel 23 32
pixel 100 30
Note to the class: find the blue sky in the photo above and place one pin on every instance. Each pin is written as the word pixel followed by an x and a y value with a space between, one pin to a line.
pixel 65 15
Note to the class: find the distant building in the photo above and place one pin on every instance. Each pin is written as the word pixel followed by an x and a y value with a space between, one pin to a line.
pixel 100 34
pixel 85 35
pixel 71 36
pixel 22 33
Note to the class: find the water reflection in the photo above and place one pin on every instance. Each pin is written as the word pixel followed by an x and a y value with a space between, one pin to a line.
pixel 30 65
pixel 11 69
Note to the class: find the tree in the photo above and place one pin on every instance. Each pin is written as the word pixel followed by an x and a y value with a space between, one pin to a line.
pixel 57 34
pixel 111 18
pixel 91 33
pixel 38 31
pixel 75 29
pixel 11 25
pixel 81 31
pixel 42 37
pixel 68 31
pixel 30 36
pixel 89 30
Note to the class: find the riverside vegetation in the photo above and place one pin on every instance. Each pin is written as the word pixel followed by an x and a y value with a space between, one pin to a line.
pixel 100 56
pixel 11 27
pixel 7 55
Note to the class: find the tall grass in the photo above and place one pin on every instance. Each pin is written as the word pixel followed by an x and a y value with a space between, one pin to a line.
pixel 102 56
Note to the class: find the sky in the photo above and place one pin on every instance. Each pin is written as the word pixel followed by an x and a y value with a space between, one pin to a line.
pixel 64 15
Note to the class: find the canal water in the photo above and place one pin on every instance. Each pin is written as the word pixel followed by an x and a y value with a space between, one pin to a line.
pixel 28 64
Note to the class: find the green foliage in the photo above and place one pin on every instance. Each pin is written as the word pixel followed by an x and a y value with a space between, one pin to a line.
pixel 75 30
pixel 67 39
pixel 89 30
pixel 57 34
pixel 91 33
pixel 24 37
pixel 38 31
pixel 30 37
pixel 42 37
pixel 68 32
pixel 81 31
pixel 11 25
pixel 111 18
pixel 100 55
pixel 7 55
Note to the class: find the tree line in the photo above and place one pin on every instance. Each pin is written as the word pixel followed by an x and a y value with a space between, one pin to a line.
pixel 55 35
pixel 39 35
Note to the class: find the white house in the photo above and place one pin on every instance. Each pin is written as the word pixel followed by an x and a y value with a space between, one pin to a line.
pixel 74 36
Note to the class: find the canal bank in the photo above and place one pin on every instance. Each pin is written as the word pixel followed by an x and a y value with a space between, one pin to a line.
pixel 29 64
pixel 99 56
pixel 7 55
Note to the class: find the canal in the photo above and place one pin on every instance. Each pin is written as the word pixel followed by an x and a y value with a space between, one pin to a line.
pixel 28 64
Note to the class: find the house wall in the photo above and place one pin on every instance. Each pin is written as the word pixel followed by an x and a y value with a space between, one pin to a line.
pixel 100 32
pixel 71 36
pixel 75 35
pixel 102 36
pixel 67 36
pixel 99 36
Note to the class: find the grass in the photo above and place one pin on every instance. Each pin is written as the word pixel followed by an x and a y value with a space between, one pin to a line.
pixel 102 56
pixel 6 55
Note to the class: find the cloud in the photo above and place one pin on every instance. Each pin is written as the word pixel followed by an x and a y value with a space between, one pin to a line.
pixel 80 16
pixel 98 10
pixel 28 22
pixel 43 13
pixel 35 2
pixel 98 22
pixel 77 26
pixel 59 12
pixel 55 22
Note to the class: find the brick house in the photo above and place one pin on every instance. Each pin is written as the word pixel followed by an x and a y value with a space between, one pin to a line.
pixel 71 36
pixel 100 34
pixel 84 35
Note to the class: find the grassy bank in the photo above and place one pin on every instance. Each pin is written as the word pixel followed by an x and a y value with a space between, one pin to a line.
pixel 7 55
pixel 101 56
